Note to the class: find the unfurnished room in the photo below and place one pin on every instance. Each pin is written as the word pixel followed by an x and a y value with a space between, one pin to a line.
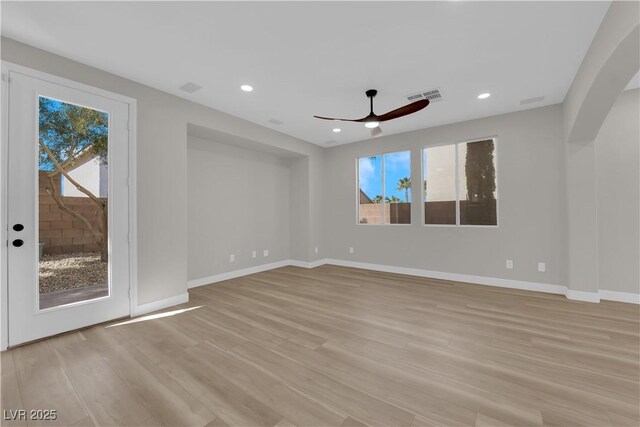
pixel 320 213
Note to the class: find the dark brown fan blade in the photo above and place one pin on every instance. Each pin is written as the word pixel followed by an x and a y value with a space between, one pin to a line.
pixel 403 111
pixel 364 119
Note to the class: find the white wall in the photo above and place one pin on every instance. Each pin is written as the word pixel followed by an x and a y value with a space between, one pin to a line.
pixel 238 202
pixel 611 62
pixel 92 175
pixel 440 174
pixel 299 209
pixel 618 203
pixel 531 211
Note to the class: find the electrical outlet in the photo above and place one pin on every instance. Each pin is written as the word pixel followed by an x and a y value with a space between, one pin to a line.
pixel 509 264
pixel 232 258
pixel 265 253
pixel 542 267
pixel 315 249
pixel 254 254
pixel 351 250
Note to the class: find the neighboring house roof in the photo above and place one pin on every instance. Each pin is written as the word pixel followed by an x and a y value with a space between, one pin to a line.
pixel 80 159
pixel 83 157
pixel 364 199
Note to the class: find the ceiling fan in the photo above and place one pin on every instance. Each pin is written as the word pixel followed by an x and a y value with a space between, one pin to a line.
pixel 372 121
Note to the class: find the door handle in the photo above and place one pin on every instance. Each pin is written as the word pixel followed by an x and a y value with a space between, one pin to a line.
pixel 18 242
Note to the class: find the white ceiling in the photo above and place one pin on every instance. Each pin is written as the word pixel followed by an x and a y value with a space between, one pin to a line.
pixel 319 58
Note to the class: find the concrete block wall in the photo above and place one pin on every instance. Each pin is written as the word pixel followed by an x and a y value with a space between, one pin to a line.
pixel 61 232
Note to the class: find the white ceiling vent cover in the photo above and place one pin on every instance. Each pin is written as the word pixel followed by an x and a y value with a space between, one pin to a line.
pixel 532 100
pixel 190 87
pixel 432 95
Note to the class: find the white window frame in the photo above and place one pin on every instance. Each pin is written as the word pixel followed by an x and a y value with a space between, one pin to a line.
pixel 383 185
pixel 457 182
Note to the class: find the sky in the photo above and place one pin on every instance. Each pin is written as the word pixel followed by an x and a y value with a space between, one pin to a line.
pixel 396 165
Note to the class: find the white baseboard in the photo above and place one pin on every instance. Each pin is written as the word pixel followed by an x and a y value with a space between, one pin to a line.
pixel 159 305
pixel 468 278
pixel 572 294
pixel 237 273
pixel 478 280
pixel 308 264
pixel 619 296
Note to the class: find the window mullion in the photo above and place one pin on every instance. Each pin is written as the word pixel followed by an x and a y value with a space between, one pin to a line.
pixel 457 181
pixel 384 191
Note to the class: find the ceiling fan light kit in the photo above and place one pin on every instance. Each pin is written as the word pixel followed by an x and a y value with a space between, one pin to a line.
pixel 372 121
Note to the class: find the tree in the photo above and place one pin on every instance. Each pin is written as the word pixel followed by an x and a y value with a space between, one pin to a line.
pixel 377 199
pixel 393 199
pixel 480 171
pixel 67 133
pixel 404 184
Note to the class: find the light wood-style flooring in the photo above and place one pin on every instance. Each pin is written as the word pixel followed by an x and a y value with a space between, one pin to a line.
pixel 336 346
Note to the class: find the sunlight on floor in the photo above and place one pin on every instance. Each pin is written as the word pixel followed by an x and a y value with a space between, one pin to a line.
pixel 154 316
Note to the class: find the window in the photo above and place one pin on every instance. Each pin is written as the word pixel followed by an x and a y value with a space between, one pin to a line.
pixel 460 184
pixel 370 190
pixel 384 188
pixel 73 200
pixel 440 185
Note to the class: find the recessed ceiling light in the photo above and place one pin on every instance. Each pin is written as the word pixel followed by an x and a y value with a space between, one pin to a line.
pixel 372 125
pixel 484 95
pixel 246 88
pixel 337 130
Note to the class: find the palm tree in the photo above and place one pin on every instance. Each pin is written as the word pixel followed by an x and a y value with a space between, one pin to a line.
pixel 404 184
pixel 377 199
pixel 393 199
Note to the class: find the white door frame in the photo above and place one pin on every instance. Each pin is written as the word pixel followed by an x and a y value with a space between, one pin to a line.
pixel 7 67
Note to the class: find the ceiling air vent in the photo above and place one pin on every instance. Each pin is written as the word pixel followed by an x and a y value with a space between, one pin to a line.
pixel 532 100
pixel 190 87
pixel 432 95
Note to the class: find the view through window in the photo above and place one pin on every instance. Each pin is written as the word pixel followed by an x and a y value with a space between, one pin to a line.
pixel 384 183
pixel 460 184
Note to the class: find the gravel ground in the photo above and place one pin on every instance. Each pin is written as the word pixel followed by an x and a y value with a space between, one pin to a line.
pixel 71 271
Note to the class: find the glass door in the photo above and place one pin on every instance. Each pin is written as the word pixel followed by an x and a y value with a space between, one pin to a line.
pixel 67 181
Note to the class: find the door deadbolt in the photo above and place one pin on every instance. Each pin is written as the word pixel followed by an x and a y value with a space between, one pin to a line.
pixel 18 227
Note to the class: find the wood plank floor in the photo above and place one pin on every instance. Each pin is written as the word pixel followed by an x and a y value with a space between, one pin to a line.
pixel 336 346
